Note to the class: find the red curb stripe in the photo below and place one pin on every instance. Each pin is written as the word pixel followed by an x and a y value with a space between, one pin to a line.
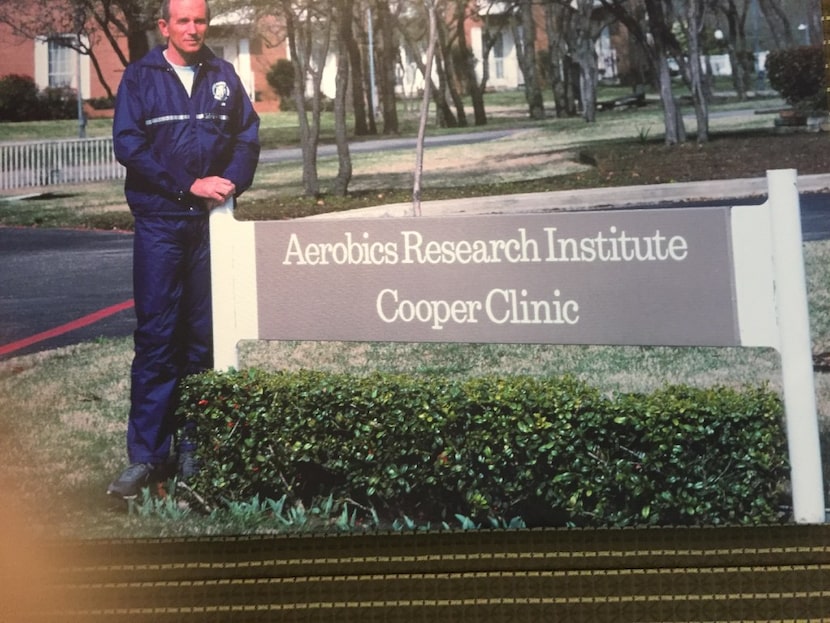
pixel 66 328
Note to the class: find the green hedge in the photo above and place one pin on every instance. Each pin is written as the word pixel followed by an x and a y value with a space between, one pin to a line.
pixel 798 74
pixel 552 451
pixel 21 100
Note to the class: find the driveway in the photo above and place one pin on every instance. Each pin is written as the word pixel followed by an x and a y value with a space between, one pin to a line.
pixel 63 286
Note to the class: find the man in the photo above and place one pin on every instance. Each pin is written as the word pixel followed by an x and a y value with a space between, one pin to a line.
pixel 187 134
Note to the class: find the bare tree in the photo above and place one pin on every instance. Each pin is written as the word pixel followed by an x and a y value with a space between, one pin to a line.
pixel 490 34
pixel 387 54
pixel 465 64
pixel 429 5
pixel 779 24
pixel 558 23
pixel 740 55
pixel 344 10
pixel 583 29
pixel 416 38
pixel 351 35
pixel 814 19
pixel 524 33
pixel 455 64
pixel 445 69
pixel 693 28
pixel 658 40
pixel 91 21
pixel 308 28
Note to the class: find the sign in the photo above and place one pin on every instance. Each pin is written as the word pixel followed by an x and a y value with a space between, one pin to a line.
pixel 726 276
pixel 619 277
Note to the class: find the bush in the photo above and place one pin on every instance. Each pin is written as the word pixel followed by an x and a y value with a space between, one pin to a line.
pixel 290 105
pixel 58 103
pixel 553 451
pixel 19 98
pixel 101 103
pixel 798 75
pixel 281 78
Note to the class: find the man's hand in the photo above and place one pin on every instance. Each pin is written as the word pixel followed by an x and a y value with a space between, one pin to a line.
pixel 214 190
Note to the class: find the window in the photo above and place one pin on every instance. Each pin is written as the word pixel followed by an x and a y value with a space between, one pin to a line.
pixel 62 62
pixel 498 56
pixel 57 65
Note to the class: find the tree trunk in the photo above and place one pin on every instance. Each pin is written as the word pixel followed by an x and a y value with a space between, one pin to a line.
pixel 308 62
pixel 444 67
pixel 526 42
pixel 779 23
pixel 371 104
pixel 672 118
pixel 487 43
pixel 344 161
pixel 660 28
pixel 814 19
pixel 443 112
pixel 588 78
pixel 557 21
pixel 388 59
pixel 694 24
pixel 573 97
pixel 422 122
pixel 736 48
pixel 137 23
pixel 445 116
pixel 467 65
pixel 361 127
pixel 581 41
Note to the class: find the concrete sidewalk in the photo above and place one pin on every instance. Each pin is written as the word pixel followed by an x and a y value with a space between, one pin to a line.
pixel 586 199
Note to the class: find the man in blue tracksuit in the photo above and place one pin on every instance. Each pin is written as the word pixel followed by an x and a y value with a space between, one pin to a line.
pixel 187 134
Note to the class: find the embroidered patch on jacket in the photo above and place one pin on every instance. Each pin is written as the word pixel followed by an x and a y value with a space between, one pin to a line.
pixel 221 91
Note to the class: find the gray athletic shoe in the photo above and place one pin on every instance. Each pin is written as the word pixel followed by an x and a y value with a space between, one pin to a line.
pixel 131 481
pixel 188 466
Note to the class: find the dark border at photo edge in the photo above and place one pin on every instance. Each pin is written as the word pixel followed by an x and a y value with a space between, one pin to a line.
pixel 710 573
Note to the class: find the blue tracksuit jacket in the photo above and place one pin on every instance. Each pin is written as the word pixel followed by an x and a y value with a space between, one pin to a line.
pixel 166 140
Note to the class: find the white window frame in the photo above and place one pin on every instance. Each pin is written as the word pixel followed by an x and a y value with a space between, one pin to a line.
pixel 42 66
pixel 238 53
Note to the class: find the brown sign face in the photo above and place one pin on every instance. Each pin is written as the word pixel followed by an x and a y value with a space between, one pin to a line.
pixel 647 277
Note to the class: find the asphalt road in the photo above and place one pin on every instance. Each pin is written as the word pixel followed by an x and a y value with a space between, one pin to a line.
pixel 60 287
pixel 53 279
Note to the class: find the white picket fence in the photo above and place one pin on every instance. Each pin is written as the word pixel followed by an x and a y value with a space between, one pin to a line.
pixel 48 163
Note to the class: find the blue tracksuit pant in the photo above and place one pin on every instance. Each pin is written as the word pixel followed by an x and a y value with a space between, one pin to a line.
pixel 173 337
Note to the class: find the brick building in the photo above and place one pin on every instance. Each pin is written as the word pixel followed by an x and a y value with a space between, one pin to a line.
pixel 52 63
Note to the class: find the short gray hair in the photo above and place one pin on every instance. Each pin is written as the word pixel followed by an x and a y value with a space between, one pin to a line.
pixel 165 10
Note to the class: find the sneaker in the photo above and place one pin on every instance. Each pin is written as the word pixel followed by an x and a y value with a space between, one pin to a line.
pixel 131 481
pixel 188 466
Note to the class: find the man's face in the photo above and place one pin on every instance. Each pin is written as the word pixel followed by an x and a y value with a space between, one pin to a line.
pixel 186 30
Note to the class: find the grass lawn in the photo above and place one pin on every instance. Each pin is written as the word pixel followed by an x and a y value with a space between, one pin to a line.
pixel 63 412
pixel 624 147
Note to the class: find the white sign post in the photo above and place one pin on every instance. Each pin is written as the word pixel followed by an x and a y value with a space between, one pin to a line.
pixel 723 276
pixel 795 348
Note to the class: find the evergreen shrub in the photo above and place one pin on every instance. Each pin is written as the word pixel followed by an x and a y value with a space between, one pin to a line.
pixel 798 75
pixel 20 100
pixel 552 451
